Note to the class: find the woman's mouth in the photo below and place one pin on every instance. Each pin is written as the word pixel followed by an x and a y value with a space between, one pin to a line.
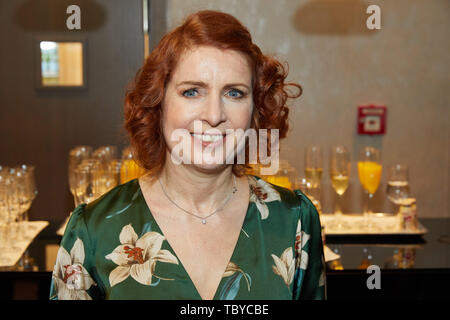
pixel 211 140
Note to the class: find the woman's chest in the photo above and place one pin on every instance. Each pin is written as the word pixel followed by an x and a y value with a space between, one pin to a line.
pixel 187 263
pixel 204 251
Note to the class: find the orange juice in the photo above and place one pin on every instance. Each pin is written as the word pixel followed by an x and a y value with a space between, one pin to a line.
pixel 369 175
pixel 281 181
pixel 130 170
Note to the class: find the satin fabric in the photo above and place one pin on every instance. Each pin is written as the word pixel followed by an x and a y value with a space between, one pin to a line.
pixel 114 249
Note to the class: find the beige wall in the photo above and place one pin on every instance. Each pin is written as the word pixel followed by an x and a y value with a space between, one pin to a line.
pixel 341 64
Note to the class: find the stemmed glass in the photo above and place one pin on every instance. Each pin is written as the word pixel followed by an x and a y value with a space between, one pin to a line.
pixel 85 174
pixel 10 208
pixel 4 213
pixel 105 154
pixel 93 172
pixel 369 171
pixel 26 192
pixel 76 156
pixel 15 202
pixel 29 192
pixel 339 175
pixel 17 192
pixel 314 164
pixel 397 186
pixel 104 173
pixel 306 186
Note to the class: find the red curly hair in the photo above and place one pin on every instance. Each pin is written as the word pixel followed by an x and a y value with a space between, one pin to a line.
pixel 204 28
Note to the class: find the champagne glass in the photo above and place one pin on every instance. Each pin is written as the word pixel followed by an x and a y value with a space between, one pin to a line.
pixel 105 177
pixel 306 186
pixel 27 193
pixel 15 199
pixel 369 171
pixel 105 153
pixel 103 173
pixel 114 171
pixel 76 156
pixel 30 191
pixel 20 201
pixel 339 175
pixel 398 186
pixel 87 189
pixel 313 172
pixel 12 208
pixel 314 164
pixel 4 215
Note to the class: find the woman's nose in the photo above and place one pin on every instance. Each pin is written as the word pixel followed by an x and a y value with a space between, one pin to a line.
pixel 213 111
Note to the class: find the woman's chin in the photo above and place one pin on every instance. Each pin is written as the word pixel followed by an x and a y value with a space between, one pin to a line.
pixel 210 167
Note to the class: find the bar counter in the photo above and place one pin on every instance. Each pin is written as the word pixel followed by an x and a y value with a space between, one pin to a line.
pixel 411 267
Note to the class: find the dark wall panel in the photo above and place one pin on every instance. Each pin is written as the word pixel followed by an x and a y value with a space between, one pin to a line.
pixel 41 127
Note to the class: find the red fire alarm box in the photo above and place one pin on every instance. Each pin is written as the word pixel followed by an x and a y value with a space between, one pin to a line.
pixel 371 119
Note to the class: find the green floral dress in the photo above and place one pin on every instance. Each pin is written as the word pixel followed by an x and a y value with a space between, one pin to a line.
pixel 113 249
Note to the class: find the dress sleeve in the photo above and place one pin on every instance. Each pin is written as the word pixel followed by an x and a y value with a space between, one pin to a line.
pixel 72 277
pixel 309 277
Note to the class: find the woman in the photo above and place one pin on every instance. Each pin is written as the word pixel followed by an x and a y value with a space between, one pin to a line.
pixel 197 230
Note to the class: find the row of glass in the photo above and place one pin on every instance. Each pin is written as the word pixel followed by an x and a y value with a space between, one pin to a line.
pixel 369 173
pixel 92 172
pixel 17 192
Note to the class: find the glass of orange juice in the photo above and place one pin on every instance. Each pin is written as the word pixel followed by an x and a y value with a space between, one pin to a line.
pixel 285 176
pixel 369 172
pixel 129 168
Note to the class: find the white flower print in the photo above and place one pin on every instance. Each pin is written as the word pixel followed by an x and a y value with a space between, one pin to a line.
pixel 300 241
pixel 232 268
pixel 71 279
pixel 262 192
pixel 284 266
pixel 138 256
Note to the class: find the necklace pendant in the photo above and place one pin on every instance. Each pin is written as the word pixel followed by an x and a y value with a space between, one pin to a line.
pixel 204 221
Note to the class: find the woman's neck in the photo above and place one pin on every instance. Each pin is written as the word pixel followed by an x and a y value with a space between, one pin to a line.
pixel 192 189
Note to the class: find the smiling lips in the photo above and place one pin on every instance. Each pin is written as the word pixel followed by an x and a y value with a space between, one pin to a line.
pixel 209 139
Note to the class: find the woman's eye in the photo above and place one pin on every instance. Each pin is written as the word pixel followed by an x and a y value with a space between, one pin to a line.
pixel 189 93
pixel 235 93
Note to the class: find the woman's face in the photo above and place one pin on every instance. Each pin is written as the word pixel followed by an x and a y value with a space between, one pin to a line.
pixel 210 91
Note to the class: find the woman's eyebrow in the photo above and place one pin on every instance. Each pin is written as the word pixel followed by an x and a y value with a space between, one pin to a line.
pixel 205 85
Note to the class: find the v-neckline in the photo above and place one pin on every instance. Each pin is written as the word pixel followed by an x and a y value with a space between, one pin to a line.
pixel 236 246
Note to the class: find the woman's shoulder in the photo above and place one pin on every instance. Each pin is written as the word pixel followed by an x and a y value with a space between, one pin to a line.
pixel 291 199
pixel 264 190
pixel 115 200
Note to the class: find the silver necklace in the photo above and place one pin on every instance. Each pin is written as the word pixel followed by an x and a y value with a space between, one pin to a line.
pixel 233 191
